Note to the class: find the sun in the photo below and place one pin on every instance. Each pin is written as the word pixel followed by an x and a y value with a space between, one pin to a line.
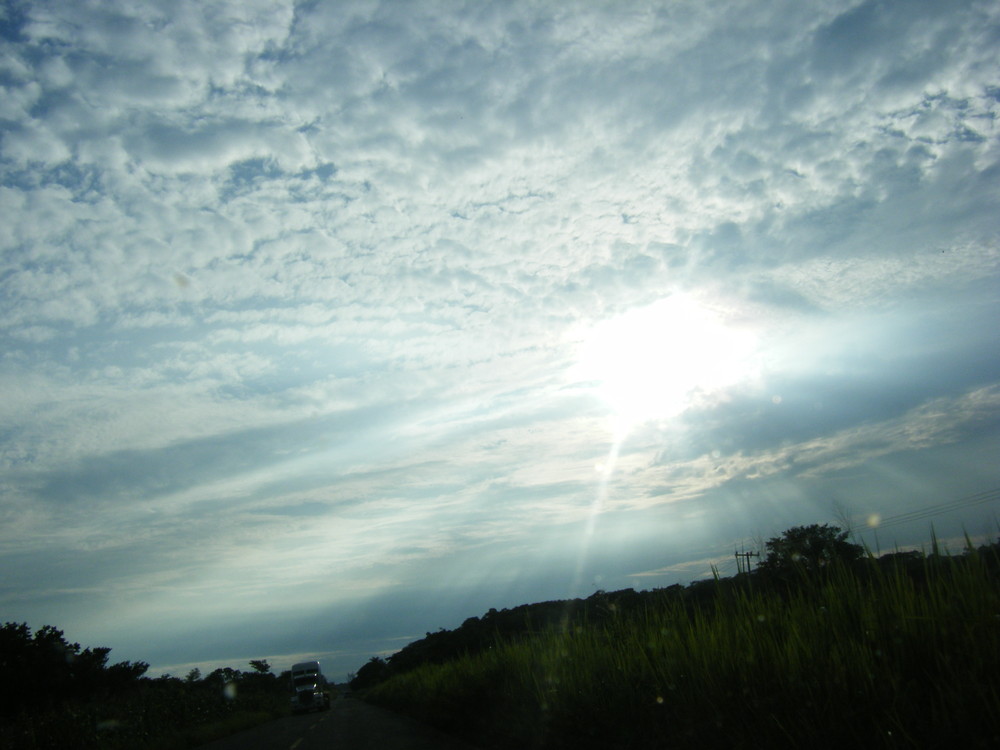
pixel 651 363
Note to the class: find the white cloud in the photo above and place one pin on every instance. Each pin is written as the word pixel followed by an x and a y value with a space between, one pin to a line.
pixel 834 283
pixel 275 258
pixel 17 101
pixel 211 147
pixel 654 478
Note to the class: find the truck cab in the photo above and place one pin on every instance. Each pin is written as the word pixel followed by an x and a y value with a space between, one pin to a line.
pixel 309 690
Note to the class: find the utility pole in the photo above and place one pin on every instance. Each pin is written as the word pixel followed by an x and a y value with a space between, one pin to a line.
pixel 743 560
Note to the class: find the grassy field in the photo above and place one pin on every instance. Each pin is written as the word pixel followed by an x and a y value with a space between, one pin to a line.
pixel 872 656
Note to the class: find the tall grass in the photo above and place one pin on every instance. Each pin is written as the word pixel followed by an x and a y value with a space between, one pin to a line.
pixel 882 659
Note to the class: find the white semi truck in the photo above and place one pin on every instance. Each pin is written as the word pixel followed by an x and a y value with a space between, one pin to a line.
pixel 309 689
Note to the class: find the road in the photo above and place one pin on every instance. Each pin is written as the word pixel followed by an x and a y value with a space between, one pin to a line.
pixel 350 724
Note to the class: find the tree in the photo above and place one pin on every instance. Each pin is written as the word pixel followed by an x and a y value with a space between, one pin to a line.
pixel 43 670
pixel 223 676
pixel 261 679
pixel 260 665
pixel 809 549
pixel 125 673
pixel 373 672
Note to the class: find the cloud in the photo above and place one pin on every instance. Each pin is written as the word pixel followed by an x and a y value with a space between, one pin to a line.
pixel 286 282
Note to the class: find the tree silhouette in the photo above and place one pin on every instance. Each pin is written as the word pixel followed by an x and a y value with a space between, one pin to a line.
pixel 260 665
pixel 373 672
pixel 42 670
pixel 809 549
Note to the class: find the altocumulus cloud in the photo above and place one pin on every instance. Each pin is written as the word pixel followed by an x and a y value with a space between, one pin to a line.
pixel 294 297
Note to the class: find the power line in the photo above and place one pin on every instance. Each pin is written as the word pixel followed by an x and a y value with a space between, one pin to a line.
pixel 969 501
pixel 863 524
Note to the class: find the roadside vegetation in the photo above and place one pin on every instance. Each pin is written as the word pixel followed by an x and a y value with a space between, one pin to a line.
pixel 56 695
pixel 822 646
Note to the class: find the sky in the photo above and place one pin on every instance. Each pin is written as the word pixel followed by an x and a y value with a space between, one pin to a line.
pixel 328 324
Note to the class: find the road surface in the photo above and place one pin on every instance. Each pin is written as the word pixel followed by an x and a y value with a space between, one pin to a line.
pixel 350 724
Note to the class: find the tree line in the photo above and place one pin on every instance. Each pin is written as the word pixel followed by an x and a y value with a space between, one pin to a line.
pixel 42 670
pixel 55 694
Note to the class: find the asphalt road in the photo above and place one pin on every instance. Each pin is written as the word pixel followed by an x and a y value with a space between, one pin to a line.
pixel 350 724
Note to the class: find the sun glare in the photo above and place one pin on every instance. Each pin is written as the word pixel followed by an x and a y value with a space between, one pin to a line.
pixel 651 363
